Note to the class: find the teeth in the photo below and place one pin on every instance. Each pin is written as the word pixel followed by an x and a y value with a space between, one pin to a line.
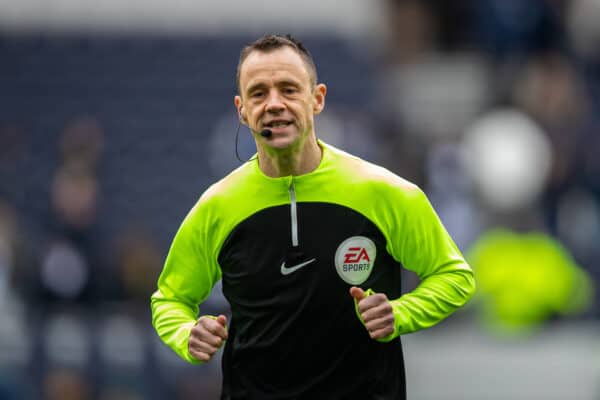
pixel 278 124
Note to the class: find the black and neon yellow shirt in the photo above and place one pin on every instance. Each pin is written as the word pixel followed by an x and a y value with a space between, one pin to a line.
pixel 288 250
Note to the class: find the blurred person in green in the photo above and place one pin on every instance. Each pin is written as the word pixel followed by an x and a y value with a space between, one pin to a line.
pixel 309 242
pixel 524 280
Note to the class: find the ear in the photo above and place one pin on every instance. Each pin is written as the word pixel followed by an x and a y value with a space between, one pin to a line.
pixel 237 101
pixel 319 98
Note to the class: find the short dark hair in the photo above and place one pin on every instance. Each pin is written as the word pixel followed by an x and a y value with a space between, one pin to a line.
pixel 271 42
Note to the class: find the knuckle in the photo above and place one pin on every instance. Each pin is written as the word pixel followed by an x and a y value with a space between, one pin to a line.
pixel 197 336
pixel 209 327
pixel 200 355
pixel 212 347
pixel 379 298
pixel 206 323
pixel 196 329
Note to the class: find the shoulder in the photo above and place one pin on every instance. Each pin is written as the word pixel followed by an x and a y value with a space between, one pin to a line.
pixel 225 190
pixel 362 173
pixel 224 185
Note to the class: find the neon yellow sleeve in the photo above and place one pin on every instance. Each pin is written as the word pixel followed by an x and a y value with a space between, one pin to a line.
pixel 415 238
pixel 189 274
pixel 420 242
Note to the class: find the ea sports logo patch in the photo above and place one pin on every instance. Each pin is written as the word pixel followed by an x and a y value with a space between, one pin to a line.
pixel 355 258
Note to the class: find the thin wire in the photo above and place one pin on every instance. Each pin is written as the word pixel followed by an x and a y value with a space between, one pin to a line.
pixel 237 134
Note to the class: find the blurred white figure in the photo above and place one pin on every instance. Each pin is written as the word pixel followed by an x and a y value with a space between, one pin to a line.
pixel 509 159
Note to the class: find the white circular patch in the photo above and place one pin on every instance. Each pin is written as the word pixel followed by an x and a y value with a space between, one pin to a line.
pixel 355 258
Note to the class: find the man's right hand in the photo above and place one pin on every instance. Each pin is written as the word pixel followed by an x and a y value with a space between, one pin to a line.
pixel 207 336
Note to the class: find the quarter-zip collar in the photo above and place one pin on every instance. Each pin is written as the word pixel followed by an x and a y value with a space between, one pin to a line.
pixel 289 183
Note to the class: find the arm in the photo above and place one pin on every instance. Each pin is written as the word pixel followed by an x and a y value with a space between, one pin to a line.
pixel 420 242
pixel 437 296
pixel 186 280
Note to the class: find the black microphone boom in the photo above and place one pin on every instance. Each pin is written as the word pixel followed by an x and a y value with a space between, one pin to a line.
pixel 266 133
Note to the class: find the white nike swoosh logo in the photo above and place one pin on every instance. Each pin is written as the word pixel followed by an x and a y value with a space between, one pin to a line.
pixel 288 270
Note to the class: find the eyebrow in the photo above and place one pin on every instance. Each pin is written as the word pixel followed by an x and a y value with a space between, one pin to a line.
pixel 256 86
pixel 283 83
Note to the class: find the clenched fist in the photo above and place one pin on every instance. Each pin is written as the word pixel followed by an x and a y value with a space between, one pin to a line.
pixel 376 312
pixel 207 336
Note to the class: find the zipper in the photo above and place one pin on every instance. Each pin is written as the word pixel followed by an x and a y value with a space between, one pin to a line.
pixel 293 214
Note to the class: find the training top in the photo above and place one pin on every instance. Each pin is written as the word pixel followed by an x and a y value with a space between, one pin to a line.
pixel 287 250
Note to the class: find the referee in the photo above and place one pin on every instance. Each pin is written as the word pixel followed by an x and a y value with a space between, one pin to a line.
pixel 309 242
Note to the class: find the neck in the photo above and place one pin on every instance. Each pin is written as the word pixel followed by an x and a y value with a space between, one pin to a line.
pixel 296 160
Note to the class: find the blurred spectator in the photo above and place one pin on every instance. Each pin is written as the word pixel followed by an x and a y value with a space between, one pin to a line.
pixel 82 141
pixel 550 89
pixel 75 196
pixel 138 263
pixel 551 92
pixel 524 280
pixel 411 31
pixel 71 265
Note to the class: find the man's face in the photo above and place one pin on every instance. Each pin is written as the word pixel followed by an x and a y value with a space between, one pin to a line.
pixel 276 93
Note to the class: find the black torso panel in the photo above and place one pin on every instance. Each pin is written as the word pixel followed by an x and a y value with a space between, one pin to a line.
pixel 294 333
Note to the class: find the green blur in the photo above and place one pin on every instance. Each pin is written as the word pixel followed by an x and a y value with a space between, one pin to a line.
pixel 524 280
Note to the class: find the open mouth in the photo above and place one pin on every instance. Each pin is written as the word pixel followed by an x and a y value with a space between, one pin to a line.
pixel 278 124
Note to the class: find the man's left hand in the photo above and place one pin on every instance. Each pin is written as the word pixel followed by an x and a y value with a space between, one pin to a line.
pixel 376 312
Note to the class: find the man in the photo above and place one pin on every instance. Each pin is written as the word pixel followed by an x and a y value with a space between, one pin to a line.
pixel 309 242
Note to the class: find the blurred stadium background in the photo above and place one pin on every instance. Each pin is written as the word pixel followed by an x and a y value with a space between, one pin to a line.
pixel 115 116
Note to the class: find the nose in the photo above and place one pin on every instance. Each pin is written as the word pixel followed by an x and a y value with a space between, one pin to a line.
pixel 274 103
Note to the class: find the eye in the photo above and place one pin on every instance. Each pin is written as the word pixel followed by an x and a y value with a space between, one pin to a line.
pixel 289 90
pixel 257 94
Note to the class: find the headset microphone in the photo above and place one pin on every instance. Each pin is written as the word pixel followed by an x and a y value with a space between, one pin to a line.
pixel 266 133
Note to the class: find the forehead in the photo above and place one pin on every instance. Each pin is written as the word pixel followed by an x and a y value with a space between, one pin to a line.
pixel 283 63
